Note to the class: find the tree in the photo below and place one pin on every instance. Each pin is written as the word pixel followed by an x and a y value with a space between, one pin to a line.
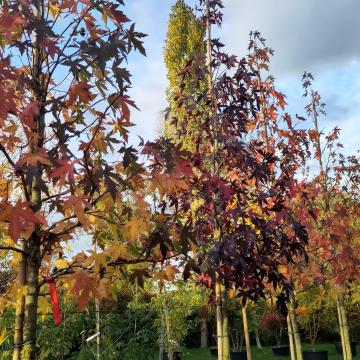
pixel 63 135
pixel 184 47
pixel 333 198
pixel 236 207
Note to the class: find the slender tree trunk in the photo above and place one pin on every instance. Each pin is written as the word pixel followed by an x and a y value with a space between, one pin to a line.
pixel 31 300
pixel 34 245
pixel 341 329
pixel 97 309
pixel 344 326
pixel 246 333
pixel 295 328
pixel 291 338
pixel 20 305
pixel 162 339
pixel 226 343
pixel 257 338
pixel 204 334
pixel 219 320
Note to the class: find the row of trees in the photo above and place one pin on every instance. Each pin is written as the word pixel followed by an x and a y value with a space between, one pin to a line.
pixel 326 202
pixel 219 197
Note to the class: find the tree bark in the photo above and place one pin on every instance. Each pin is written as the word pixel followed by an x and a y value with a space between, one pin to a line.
pixel 291 338
pixel 97 309
pixel 31 300
pixel 162 340
pixel 204 334
pixel 257 339
pixel 219 320
pixel 344 325
pixel 34 244
pixel 246 333
pixel 295 328
pixel 20 305
pixel 226 343
pixel 341 330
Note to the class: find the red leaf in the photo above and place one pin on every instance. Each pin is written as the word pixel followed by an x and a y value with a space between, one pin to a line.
pixel 81 91
pixel 51 47
pixel 119 16
pixel 29 112
pixel 20 217
pixel 65 169
pixel 84 284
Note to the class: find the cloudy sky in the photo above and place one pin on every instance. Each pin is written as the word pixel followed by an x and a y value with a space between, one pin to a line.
pixel 319 36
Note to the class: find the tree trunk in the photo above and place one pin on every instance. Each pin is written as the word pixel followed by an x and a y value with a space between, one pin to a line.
pixel 341 329
pixel 219 320
pixel 246 333
pixel 34 258
pixel 226 343
pixel 20 305
pixel 204 334
pixel 344 326
pixel 162 340
pixel 97 310
pixel 291 338
pixel 257 339
pixel 295 328
pixel 31 300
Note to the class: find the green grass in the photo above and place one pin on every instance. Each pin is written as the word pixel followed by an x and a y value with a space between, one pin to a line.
pixel 265 354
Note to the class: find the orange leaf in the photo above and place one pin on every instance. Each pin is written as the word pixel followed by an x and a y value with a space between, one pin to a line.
pixel 65 169
pixel 33 159
pixel 29 112
pixel 20 217
pixel 81 91
pixel 84 284
pixel 78 204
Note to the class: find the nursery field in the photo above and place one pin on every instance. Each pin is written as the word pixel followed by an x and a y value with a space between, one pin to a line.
pixel 266 353
pixel 157 192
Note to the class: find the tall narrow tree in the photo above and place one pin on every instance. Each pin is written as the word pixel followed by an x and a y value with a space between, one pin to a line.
pixel 184 47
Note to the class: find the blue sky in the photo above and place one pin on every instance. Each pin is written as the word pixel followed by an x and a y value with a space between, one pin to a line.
pixel 318 36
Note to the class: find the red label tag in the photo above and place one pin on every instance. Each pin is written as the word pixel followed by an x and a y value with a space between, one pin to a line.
pixel 54 300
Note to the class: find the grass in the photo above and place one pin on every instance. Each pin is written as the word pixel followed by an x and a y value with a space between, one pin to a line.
pixel 265 354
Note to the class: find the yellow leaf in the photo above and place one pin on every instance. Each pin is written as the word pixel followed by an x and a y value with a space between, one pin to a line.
pixel 44 307
pixel 2 305
pixel 3 336
pixel 136 227
pixel 92 218
pixel 217 234
pixel 8 241
pixel 117 251
pixel 54 10
pixel 68 248
pixel 104 17
pixel 61 264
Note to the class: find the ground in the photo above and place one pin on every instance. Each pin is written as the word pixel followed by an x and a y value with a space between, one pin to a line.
pixel 265 354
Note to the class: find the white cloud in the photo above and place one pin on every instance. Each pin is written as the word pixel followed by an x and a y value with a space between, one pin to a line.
pixel 305 34
pixel 313 35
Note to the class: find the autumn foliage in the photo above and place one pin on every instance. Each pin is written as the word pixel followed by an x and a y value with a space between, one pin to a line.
pixel 229 204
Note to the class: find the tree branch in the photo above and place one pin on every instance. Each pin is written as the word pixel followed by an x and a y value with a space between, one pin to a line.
pixel 10 248
pixel 11 162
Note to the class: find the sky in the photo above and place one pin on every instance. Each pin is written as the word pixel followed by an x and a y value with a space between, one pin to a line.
pixel 319 36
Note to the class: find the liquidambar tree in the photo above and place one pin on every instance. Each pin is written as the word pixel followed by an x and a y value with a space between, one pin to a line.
pixel 64 111
pixel 236 208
